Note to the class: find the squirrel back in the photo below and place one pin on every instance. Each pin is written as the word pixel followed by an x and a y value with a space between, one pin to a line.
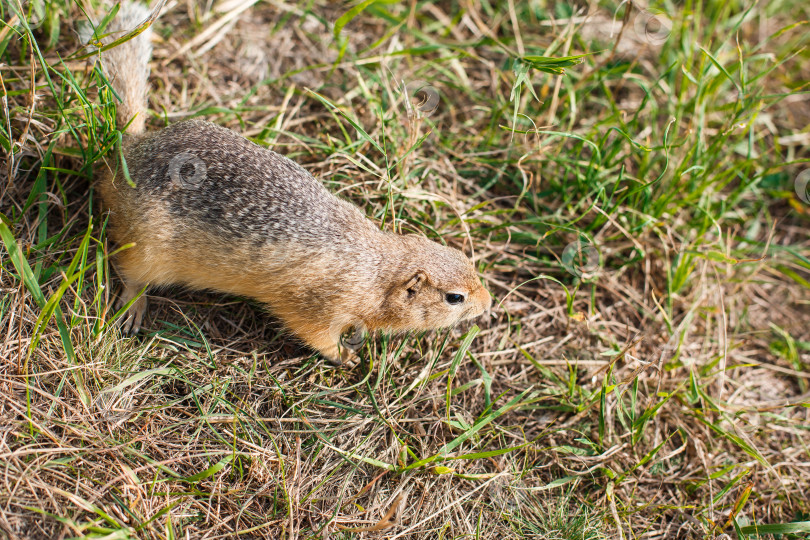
pixel 210 175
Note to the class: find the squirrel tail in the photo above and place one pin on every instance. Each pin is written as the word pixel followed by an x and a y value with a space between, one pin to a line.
pixel 126 66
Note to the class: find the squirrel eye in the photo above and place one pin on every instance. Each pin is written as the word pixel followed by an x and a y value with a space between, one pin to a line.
pixel 453 298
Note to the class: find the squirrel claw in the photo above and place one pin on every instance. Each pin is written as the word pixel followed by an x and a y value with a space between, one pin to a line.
pixel 348 356
pixel 131 327
pixel 339 356
pixel 134 315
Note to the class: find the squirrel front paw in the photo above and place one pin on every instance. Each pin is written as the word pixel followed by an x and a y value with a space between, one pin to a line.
pixel 338 356
pixel 337 343
pixel 344 351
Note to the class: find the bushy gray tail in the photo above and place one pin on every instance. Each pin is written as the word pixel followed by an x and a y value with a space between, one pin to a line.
pixel 127 65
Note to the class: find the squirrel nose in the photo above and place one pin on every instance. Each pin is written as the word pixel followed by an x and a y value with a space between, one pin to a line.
pixel 484 300
pixel 487 299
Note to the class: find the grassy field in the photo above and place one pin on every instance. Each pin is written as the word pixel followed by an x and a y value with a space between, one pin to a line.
pixel 640 215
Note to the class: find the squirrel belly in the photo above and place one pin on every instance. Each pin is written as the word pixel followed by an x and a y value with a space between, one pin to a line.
pixel 212 210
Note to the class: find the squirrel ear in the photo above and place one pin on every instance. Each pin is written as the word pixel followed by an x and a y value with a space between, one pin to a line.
pixel 415 283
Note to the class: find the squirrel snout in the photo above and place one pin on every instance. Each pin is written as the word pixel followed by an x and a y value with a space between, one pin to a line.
pixel 483 302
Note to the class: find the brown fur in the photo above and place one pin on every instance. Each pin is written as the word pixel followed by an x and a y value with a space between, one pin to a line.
pixel 211 210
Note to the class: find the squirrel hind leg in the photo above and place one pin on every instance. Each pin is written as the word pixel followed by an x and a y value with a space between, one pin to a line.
pixel 134 315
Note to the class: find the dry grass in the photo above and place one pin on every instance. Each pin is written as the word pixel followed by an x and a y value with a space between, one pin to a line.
pixel 662 395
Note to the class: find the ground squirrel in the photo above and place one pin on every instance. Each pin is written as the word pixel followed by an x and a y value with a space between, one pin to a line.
pixel 212 210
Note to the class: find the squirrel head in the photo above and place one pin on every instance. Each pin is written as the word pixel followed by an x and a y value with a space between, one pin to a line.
pixel 435 286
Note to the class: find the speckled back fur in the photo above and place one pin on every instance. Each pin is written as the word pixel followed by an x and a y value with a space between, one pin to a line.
pixel 242 192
